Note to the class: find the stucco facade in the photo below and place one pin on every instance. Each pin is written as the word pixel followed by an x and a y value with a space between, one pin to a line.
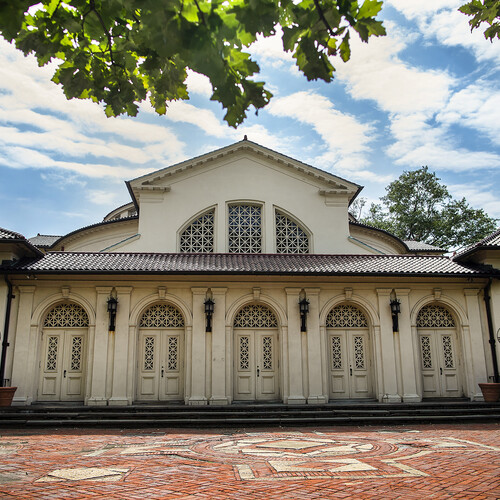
pixel 182 249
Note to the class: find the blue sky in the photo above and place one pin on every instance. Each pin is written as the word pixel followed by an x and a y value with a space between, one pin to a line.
pixel 426 94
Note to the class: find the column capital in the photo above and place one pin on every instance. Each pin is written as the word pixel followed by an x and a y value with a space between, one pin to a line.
pixel 471 291
pixel 293 291
pixel 26 288
pixel 198 290
pixel 381 292
pixel 312 291
pixel 402 291
pixel 219 291
pixel 124 289
pixel 103 289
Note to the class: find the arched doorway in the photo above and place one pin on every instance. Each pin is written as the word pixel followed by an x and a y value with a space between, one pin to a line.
pixel 161 354
pixel 349 353
pixel 63 355
pixel 256 364
pixel 439 357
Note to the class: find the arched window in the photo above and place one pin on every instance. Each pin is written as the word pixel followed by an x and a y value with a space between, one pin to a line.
pixel 255 316
pixel 198 237
pixel 346 316
pixel 162 316
pixel 434 316
pixel 67 316
pixel 245 229
pixel 290 237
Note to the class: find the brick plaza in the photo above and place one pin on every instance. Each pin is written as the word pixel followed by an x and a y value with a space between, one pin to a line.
pixel 389 462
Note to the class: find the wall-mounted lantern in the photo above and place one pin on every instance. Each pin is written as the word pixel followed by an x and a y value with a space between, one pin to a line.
pixel 209 311
pixel 112 306
pixel 304 309
pixel 395 310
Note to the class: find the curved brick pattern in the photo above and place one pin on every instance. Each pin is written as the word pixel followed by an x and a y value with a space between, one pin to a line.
pixel 452 461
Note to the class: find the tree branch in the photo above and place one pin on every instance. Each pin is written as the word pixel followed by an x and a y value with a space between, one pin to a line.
pixel 323 18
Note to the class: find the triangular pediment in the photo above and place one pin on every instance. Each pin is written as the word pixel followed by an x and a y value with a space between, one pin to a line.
pixel 161 180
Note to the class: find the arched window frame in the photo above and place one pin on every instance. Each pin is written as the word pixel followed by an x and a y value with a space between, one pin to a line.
pixel 250 203
pixel 191 221
pixel 279 211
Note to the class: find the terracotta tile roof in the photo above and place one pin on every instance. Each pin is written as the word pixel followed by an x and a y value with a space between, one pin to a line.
pixel 270 264
pixel 43 240
pixel 421 246
pixel 5 234
pixel 491 242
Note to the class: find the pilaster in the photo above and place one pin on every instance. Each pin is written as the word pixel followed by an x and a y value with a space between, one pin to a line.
pixel 406 349
pixel 314 358
pixel 198 349
pixel 474 346
pixel 99 366
pixel 218 360
pixel 294 348
pixel 389 386
pixel 120 362
pixel 25 348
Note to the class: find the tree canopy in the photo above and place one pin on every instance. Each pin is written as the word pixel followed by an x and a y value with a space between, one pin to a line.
pixel 484 12
pixel 418 207
pixel 121 52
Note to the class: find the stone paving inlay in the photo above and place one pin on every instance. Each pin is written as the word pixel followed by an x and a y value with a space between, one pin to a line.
pixel 431 462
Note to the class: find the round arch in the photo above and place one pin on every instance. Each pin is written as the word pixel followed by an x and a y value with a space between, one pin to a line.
pixel 154 298
pixel 454 307
pixel 262 300
pixel 355 300
pixel 53 300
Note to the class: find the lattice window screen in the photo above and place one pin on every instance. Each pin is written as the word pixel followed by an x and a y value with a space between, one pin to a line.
pixel 244 353
pixel 336 353
pixel 245 229
pixel 173 353
pixel 198 237
pixel 149 353
pixel 67 316
pixel 76 353
pixel 448 352
pixel 255 316
pixel 434 316
pixel 425 347
pixel 290 237
pixel 162 316
pixel 267 353
pixel 52 347
pixel 359 353
pixel 346 316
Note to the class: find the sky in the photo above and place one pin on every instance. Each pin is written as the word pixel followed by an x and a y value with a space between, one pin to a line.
pixel 426 94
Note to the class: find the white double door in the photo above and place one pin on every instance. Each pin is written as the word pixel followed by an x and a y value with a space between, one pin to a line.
pixel 161 365
pixel 349 360
pixel 256 366
pixel 439 362
pixel 62 364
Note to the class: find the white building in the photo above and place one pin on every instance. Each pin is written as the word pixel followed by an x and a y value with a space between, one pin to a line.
pixel 255 232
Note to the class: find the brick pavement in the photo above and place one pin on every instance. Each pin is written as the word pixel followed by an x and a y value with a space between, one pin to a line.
pixel 411 462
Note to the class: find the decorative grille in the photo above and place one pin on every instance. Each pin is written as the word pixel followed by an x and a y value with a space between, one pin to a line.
pixel 434 316
pixel 346 316
pixel 267 353
pixel 67 316
pixel 198 237
pixel 359 353
pixel 425 346
pixel 162 316
pixel 173 353
pixel 52 346
pixel 290 237
pixel 255 316
pixel 336 353
pixel 448 352
pixel 245 229
pixel 76 353
pixel 149 353
pixel 244 353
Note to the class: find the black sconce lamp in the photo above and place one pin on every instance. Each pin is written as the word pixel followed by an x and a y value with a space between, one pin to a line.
pixel 395 310
pixel 209 310
pixel 112 306
pixel 304 309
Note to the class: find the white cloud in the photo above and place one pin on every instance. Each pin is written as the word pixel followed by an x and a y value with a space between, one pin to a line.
pixel 102 197
pixel 345 137
pixel 198 84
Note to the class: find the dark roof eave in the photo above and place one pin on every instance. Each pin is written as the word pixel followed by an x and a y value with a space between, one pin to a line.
pixel 472 251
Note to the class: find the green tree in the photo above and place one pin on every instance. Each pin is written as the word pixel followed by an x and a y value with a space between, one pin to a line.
pixel 484 11
pixel 121 52
pixel 418 207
